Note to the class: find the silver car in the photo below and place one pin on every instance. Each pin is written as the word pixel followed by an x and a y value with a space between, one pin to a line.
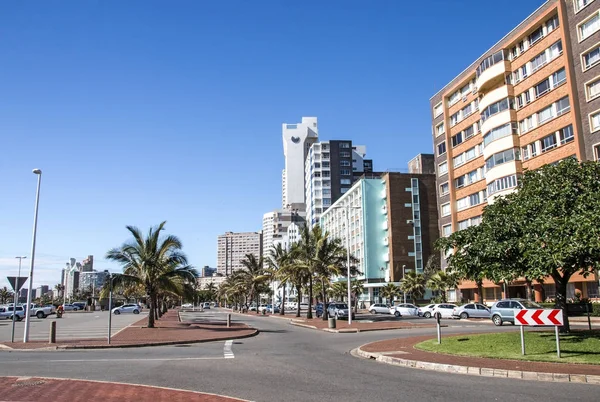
pixel 6 313
pixel 405 309
pixel 472 310
pixel 505 310
pixel 127 308
pixel 338 310
pixel 380 308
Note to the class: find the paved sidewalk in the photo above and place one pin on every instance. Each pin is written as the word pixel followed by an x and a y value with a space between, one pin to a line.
pixel 402 352
pixel 168 331
pixel 51 389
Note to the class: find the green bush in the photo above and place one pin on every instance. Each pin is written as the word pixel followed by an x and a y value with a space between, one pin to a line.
pixel 547 305
pixel 596 309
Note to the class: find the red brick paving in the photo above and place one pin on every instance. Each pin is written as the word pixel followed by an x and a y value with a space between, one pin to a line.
pixel 50 390
pixel 168 330
pixel 406 346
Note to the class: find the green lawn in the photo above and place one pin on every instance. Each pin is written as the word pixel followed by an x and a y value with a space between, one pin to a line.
pixel 579 347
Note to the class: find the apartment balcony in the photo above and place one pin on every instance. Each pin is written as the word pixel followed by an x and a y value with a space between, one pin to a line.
pixel 492 197
pixel 386 257
pixel 508 142
pixel 384 194
pixel 495 95
pixel 492 75
pixel 384 226
pixel 505 169
pixel 506 116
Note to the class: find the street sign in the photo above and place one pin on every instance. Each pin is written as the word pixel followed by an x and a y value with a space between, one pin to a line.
pixel 539 317
pixel 19 283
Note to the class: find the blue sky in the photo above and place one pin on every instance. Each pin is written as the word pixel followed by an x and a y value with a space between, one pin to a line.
pixel 143 111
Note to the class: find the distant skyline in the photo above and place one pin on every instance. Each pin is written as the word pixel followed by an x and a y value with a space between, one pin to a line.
pixel 144 111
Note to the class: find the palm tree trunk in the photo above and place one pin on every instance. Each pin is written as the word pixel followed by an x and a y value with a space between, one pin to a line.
pixel 325 315
pixel 282 309
pixel 159 302
pixel 150 313
pixel 310 296
pixel 298 298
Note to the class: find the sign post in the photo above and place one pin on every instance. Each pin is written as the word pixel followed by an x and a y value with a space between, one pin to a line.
pixel 439 329
pixel 540 318
pixel 16 282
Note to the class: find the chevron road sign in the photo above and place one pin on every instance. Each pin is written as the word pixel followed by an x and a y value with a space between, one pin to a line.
pixel 539 317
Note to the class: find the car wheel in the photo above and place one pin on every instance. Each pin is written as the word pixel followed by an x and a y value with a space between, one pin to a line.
pixel 397 314
pixel 136 312
pixel 117 312
pixel 497 320
pixel 372 311
pixel 438 316
pixel 464 315
pixel 427 314
pixel 75 309
pixel 40 314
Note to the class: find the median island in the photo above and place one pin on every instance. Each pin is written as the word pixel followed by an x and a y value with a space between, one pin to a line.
pixel 576 347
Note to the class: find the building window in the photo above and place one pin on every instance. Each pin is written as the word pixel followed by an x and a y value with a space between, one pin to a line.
pixel 542 88
pixel 589 27
pixel 446 209
pixel 441 148
pixel 345 163
pixel 566 134
pixel 579 4
pixel 595 121
pixel 592 89
pixel 439 129
pixel 501 158
pixel 344 145
pixel 345 172
pixel 344 190
pixel 345 181
pixel 499 132
pixel 444 189
pixel 562 106
pixel 446 230
pixel 459 182
pixel 597 152
pixel 344 154
pixel 502 184
pixel 438 110
pixel 497 107
pixel 458 160
pixel 591 58
pixel 462 203
pixel 443 168
pixel 548 142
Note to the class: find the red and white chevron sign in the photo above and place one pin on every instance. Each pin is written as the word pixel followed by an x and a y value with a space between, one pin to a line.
pixel 539 317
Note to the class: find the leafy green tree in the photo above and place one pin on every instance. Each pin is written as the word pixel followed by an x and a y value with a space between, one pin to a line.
pixel 389 291
pixel 553 218
pixel 157 263
pixel 357 287
pixel 339 290
pixel 6 295
pixel 279 261
pixel 414 284
pixel 441 282
pixel 432 266
pixel 254 275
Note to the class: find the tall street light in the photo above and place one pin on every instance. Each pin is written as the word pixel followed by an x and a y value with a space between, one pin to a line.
pixel 346 209
pixel 403 277
pixel 110 290
pixel 12 337
pixel 35 218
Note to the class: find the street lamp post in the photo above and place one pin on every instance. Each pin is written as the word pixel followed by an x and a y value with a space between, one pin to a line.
pixel 35 217
pixel 110 289
pixel 12 337
pixel 403 275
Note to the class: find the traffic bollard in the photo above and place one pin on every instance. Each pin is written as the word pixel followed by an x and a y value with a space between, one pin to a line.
pixel 228 320
pixel 52 332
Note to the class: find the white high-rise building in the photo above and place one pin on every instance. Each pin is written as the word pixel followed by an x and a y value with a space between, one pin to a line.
pixel 281 226
pixel 297 139
pixel 233 247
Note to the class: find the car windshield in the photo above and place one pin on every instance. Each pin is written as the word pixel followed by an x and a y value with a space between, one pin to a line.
pixel 341 305
pixel 530 304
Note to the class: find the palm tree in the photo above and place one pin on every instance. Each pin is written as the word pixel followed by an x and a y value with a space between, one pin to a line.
pixel 339 290
pixel 59 288
pixel 292 272
pixel 6 295
pixel 254 275
pixel 414 284
pixel 212 289
pixel 357 288
pixel 441 282
pixel 279 261
pixel 154 262
pixel 389 291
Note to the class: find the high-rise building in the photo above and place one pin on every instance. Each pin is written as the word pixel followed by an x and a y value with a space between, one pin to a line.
pixel 276 225
pixel 92 281
pixel 530 100
pixel 42 290
pixel 330 169
pixel 233 247
pixel 393 226
pixel 422 164
pixel 297 139
pixel 87 265
pixel 207 271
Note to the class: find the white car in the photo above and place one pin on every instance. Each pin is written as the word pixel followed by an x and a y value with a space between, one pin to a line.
pixel 379 308
pixel 187 305
pixel 70 307
pixel 426 311
pixel 262 307
pixel 303 306
pixel 127 308
pixel 444 310
pixel 405 309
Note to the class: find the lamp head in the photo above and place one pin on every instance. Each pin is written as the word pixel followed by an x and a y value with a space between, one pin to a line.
pixel 37 171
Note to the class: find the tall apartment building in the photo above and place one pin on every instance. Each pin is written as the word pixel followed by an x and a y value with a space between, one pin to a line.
pixel 87 265
pixel 393 225
pixel 330 170
pixel 422 163
pixel 280 226
pixel 530 100
pixel 297 139
pixel 233 247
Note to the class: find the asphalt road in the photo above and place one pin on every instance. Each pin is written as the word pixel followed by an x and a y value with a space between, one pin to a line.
pixel 289 363
pixel 72 325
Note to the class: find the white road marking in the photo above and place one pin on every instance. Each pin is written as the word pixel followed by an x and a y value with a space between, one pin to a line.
pixel 113 360
pixel 227 352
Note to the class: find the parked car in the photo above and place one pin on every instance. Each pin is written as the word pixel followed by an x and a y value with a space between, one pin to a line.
pixel 187 305
pixel 262 307
pixel 303 306
pixel 472 310
pixel 505 309
pixel 252 307
pixel 404 309
pixel 444 310
pixel 80 305
pixel 70 307
pixel 38 311
pixel 426 311
pixel 6 313
pixel 206 306
pixel 379 308
pixel 127 308
pixel 290 305
pixel 338 310
pixel 270 309
pixel 319 309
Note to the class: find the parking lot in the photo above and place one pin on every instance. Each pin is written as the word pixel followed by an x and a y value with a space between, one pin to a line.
pixel 73 325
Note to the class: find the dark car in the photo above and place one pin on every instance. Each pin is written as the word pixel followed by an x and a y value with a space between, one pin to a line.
pixel 319 309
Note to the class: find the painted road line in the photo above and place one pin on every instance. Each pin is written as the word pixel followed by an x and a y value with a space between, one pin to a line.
pixel 227 352
pixel 113 360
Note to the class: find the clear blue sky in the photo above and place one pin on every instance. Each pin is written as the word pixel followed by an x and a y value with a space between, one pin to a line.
pixel 143 111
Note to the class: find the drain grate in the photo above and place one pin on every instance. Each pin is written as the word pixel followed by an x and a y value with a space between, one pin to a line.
pixel 28 383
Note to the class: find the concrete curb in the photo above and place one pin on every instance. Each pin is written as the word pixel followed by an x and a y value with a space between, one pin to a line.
pixel 480 371
pixel 140 345
pixel 297 324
